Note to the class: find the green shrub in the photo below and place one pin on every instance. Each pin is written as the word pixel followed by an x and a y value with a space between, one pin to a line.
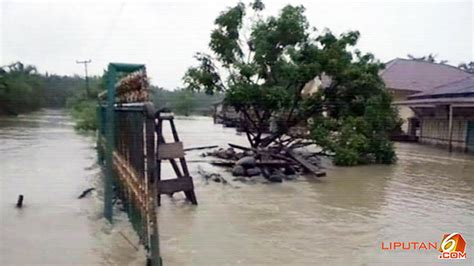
pixel 345 156
pixel 85 114
pixel 358 140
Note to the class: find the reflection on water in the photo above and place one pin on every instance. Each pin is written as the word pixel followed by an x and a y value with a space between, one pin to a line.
pixel 340 220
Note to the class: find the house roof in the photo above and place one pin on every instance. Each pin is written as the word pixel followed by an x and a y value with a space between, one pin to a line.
pixel 418 76
pixel 431 102
pixel 459 88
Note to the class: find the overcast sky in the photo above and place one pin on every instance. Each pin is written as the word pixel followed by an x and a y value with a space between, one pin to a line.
pixel 164 35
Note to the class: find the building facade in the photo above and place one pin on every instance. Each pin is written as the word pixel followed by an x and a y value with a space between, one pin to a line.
pixel 446 114
pixel 404 77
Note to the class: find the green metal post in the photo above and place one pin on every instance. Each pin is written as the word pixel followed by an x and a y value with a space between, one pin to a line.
pixel 110 142
pixel 130 143
pixel 152 182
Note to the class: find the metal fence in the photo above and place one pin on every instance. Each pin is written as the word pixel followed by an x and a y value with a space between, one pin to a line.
pixel 127 151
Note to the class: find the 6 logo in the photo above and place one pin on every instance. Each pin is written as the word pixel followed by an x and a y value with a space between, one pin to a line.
pixel 453 246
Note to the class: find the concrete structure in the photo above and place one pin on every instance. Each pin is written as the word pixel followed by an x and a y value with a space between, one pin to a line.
pixel 225 114
pixel 312 86
pixel 446 114
pixel 404 77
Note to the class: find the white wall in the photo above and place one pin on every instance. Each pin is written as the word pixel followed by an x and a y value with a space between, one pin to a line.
pixel 436 131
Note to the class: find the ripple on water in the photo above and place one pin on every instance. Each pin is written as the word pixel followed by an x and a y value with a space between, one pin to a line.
pixel 338 221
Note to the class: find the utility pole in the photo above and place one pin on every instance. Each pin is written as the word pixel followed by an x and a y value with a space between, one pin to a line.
pixel 85 62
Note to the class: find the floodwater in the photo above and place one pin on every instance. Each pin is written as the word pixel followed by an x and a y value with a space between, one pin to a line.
pixel 341 219
pixel 43 158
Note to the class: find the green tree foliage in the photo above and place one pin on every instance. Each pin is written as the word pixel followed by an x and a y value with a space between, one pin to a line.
pixel 23 89
pixel 58 89
pixel 84 113
pixel 84 107
pixel 184 103
pixel 262 64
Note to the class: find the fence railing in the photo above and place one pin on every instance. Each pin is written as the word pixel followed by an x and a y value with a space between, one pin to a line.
pixel 127 151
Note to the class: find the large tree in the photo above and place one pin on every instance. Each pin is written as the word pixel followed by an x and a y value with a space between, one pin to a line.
pixel 21 89
pixel 262 65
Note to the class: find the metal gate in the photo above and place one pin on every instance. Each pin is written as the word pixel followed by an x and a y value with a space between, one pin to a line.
pixel 127 149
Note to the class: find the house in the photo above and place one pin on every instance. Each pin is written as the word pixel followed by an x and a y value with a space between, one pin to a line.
pixel 225 114
pixel 405 77
pixel 446 114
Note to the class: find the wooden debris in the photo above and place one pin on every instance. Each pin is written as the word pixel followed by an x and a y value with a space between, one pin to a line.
pixel 305 164
pixel 264 163
pixel 259 152
pixel 275 163
pixel 235 146
pixel 19 203
pixel 218 178
pixel 223 163
pixel 85 192
pixel 201 148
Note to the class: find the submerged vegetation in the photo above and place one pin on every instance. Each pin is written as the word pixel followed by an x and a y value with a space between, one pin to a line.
pixel 83 110
pixel 262 64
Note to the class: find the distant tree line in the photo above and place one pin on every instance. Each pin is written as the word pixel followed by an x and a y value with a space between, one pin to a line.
pixel 23 89
pixel 184 102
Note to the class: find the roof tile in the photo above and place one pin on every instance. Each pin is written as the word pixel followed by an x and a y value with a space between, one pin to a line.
pixel 419 76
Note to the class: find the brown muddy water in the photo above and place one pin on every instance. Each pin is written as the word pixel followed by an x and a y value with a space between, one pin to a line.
pixel 341 219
